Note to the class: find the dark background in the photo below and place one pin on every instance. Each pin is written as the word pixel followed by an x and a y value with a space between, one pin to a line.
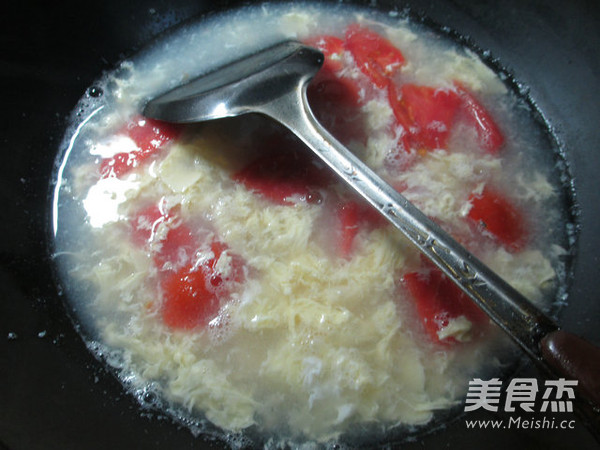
pixel 53 393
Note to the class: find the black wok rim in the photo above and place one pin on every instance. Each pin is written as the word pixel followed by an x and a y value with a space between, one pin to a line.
pixel 493 61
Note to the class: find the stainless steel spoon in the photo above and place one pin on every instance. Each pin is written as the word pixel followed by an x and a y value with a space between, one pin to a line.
pixel 273 82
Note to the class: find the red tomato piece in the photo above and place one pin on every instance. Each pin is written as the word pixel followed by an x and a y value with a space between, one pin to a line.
pixel 332 48
pixel 496 215
pixel 376 57
pixel 438 300
pixel 172 251
pixel 335 98
pixel 351 216
pixel 145 223
pixel 187 300
pixel 191 293
pixel 401 116
pixel 348 216
pixel 399 108
pixel 490 136
pixel 191 290
pixel 283 173
pixel 426 113
pixel 177 249
pixel 149 136
pixel 235 273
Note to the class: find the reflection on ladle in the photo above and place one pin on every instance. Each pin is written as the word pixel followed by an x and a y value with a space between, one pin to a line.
pixel 273 82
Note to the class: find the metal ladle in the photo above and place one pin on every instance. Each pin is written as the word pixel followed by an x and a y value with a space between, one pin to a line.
pixel 273 82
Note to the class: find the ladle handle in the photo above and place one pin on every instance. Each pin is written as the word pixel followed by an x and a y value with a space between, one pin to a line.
pixel 574 358
pixel 525 323
pixel 529 327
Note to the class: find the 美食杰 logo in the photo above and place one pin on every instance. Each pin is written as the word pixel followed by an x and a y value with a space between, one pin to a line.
pixel 521 395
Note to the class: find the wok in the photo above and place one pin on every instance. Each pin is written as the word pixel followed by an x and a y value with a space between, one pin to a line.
pixel 53 392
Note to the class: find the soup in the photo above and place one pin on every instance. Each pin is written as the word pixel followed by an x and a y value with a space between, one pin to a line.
pixel 234 282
